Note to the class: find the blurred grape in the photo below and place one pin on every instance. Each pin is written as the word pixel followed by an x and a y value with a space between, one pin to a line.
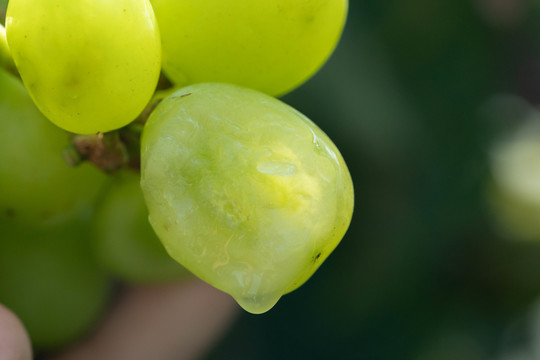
pixel 51 281
pixel 514 193
pixel 125 242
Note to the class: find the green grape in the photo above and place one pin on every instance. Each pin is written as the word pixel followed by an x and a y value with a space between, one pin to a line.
pixel 6 61
pixel 516 218
pixel 36 185
pixel 271 46
pixel 90 66
pixel 514 194
pixel 126 243
pixel 243 190
pixel 49 279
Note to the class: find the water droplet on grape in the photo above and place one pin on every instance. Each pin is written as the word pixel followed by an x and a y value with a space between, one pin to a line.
pixel 275 167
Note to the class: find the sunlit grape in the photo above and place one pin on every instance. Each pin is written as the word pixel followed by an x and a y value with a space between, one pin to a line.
pixel 272 46
pixel 243 190
pixel 90 66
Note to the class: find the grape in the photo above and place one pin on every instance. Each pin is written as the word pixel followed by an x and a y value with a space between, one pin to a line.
pixel 271 46
pixel 5 55
pixel 516 162
pixel 515 192
pixel 517 218
pixel 243 190
pixel 90 66
pixel 49 279
pixel 36 185
pixel 126 243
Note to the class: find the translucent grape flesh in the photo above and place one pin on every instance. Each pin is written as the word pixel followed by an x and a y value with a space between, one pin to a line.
pixel 126 244
pixel 271 46
pixel 243 190
pixel 90 65
pixel 36 184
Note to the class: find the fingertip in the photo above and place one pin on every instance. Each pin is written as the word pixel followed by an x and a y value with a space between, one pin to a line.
pixel 14 340
pixel 168 321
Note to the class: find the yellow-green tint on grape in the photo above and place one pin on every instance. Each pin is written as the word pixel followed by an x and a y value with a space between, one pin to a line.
pixel 243 190
pixel 36 184
pixel 271 46
pixel 90 65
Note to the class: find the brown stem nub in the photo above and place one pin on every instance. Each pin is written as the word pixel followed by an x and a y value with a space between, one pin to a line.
pixel 106 151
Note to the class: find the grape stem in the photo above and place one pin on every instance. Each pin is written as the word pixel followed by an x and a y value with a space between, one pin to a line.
pixel 106 151
pixel 6 61
pixel 118 149
pixel 110 151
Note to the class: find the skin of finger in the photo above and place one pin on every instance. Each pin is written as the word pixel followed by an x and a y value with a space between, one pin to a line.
pixel 180 322
pixel 14 340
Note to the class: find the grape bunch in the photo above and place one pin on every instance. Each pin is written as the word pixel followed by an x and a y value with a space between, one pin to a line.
pixel 140 135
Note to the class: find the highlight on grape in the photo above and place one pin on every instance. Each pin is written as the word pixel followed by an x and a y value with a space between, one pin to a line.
pixel 157 149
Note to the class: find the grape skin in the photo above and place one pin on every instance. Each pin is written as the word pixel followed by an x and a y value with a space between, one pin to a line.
pixel 126 244
pixel 5 55
pixel 36 185
pixel 243 190
pixel 90 65
pixel 50 279
pixel 271 46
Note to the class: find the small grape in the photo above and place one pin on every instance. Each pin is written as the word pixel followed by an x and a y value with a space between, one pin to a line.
pixel 516 218
pixel 36 185
pixel 125 241
pixel 243 190
pixel 50 280
pixel 271 46
pixel 90 66
pixel 515 162
pixel 514 193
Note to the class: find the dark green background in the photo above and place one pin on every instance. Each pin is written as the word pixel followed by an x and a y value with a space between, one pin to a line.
pixel 421 274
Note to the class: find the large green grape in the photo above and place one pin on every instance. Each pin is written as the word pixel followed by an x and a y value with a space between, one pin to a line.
pixel 243 190
pixel 272 45
pixel 90 65
pixel 125 241
pixel 36 185
pixel 50 280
